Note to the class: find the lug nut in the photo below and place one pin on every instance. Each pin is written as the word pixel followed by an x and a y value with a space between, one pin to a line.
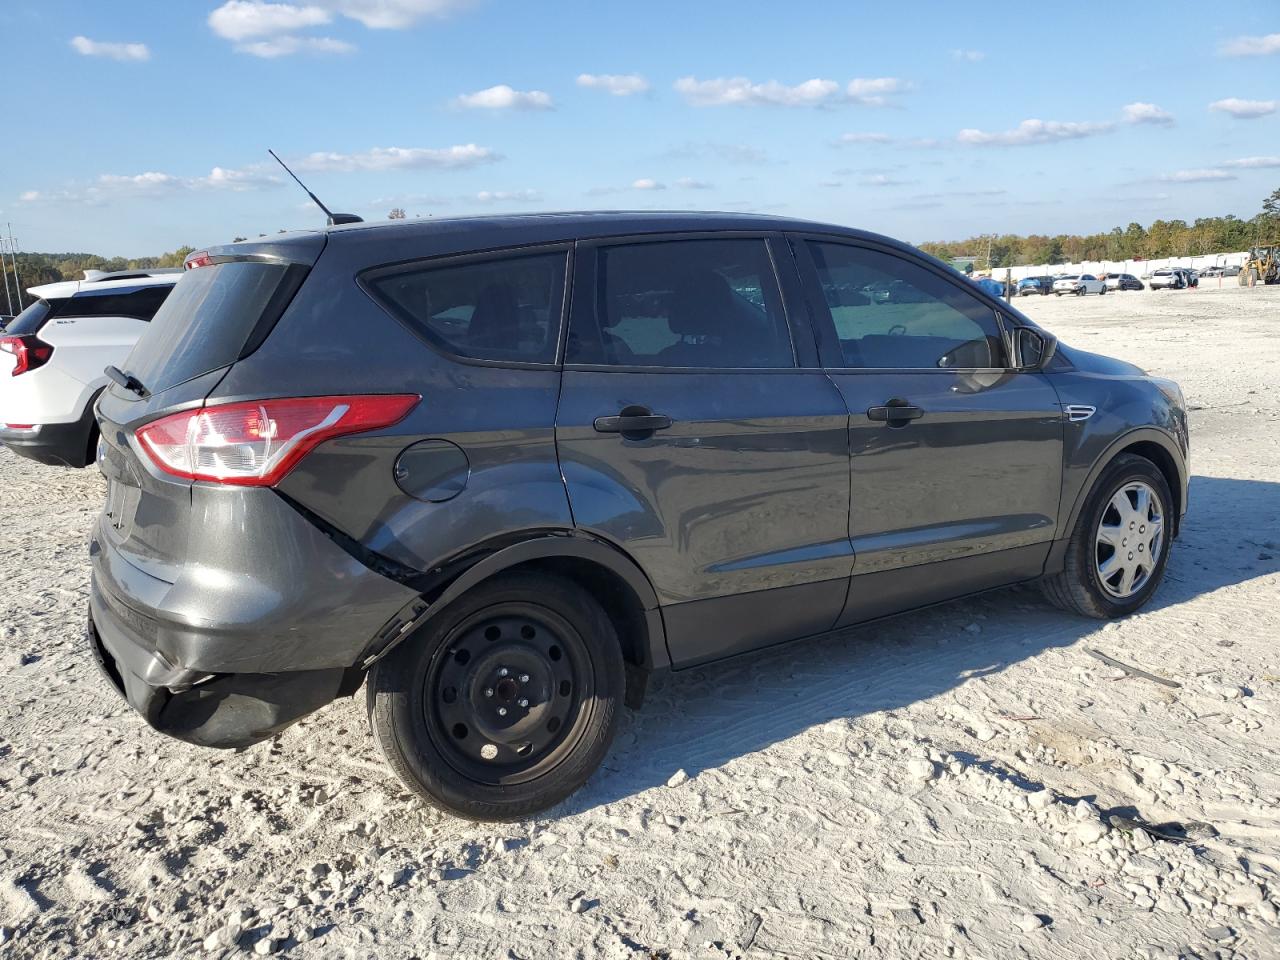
pixel 502 671
pixel 524 703
pixel 488 691
pixel 524 678
pixel 502 711
pixel 1131 556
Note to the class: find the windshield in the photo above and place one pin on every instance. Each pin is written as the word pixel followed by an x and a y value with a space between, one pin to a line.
pixel 214 316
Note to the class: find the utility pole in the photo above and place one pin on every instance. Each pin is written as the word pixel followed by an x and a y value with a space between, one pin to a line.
pixel 13 255
pixel 4 268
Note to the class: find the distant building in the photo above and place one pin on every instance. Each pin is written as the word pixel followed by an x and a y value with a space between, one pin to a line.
pixel 964 264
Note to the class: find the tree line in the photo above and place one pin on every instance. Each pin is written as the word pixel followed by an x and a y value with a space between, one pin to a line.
pixel 1163 238
pixel 37 268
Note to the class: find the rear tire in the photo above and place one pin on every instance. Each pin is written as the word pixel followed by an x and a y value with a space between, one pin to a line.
pixel 1083 586
pixel 536 649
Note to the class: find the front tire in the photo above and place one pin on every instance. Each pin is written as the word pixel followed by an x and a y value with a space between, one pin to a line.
pixel 507 701
pixel 1118 551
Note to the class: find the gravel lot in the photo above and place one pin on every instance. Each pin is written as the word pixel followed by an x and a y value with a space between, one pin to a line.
pixel 934 786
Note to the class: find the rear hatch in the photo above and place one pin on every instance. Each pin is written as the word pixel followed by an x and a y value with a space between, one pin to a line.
pixel 218 312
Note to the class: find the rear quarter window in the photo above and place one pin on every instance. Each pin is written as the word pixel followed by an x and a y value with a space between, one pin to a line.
pixel 504 308
pixel 139 304
pixel 32 319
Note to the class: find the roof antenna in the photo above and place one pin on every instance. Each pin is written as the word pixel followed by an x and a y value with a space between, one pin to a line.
pixel 334 218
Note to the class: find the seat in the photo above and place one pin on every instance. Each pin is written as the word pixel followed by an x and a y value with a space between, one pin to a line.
pixel 495 321
pixel 703 311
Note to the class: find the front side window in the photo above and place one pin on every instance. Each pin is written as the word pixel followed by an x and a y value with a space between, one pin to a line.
pixel 504 309
pixel 891 313
pixel 686 303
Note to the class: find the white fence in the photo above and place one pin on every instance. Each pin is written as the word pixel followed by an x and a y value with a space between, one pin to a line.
pixel 1139 268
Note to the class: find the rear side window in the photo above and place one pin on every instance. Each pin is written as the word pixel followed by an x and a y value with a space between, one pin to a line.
pixel 504 309
pixel 139 304
pixel 30 320
pixel 214 315
pixel 891 313
pixel 686 303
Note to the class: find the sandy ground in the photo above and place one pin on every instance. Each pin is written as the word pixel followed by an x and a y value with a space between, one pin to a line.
pixel 934 786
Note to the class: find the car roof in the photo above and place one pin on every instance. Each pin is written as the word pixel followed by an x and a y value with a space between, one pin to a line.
pixel 119 280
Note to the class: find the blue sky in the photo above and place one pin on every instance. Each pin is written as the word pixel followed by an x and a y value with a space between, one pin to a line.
pixel 144 125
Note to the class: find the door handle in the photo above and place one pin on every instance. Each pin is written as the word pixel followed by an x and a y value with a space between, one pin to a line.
pixel 634 423
pixel 895 413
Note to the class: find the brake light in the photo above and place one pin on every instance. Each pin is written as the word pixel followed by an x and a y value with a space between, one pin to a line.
pixel 257 443
pixel 201 259
pixel 29 352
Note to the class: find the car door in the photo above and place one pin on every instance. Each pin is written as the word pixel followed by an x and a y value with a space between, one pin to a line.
pixel 697 433
pixel 956 459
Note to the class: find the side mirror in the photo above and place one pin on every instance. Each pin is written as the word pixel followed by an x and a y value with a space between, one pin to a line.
pixel 1033 349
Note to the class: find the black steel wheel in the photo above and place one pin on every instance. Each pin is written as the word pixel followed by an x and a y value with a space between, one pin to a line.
pixel 506 702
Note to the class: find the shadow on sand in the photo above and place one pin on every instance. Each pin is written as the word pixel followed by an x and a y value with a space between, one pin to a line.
pixel 702 718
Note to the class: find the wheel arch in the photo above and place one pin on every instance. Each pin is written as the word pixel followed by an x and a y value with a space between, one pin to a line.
pixel 1151 444
pixel 597 566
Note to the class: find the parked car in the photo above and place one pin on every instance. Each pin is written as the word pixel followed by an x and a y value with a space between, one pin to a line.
pixel 1123 281
pixel 1079 284
pixel 1033 285
pixel 400 455
pixel 1167 279
pixel 1190 277
pixel 53 354
pixel 4 320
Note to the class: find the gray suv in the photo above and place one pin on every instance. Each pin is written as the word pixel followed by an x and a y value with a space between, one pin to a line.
pixel 500 470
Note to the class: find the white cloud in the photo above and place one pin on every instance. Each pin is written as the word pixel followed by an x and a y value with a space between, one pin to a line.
pixel 113 51
pixel 725 91
pixel 1252 163
pixel 1251 46
pixel 740 91
pixel 618 84
pixel 1196 176
pixel 504 97
pixel 246 19
pixel 393 14
pixel 1147 113
pixel 509 196
pixel 1244 109
pixel 153 183
pixel 968 56
pixel 874 92
pixel 287 45
pixel 689 183
pixel 865 138
pixel 1033 132
pixel 884 180
pixel 647 183
pixel 399 158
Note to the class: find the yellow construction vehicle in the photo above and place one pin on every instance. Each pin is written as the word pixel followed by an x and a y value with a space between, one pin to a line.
pixel 1263 266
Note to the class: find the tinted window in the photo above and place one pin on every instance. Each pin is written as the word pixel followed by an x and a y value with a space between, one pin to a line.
pixel 140 304
pixel 502 309
pixel 30 320
pixel 213 315
pixel 686 303
pixel 889 312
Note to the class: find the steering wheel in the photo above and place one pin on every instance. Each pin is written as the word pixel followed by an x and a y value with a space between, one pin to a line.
pixel 897 330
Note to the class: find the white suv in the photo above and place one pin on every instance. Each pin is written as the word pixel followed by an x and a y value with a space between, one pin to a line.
pixel 1079 284
pixel 53 354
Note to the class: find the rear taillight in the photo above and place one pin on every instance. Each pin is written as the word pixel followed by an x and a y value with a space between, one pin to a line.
pixel 29 352
pixel 255 444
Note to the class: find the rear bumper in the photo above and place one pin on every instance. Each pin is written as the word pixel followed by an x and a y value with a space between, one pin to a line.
pixel 54 444
pixel 243 643
pixel 209 710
